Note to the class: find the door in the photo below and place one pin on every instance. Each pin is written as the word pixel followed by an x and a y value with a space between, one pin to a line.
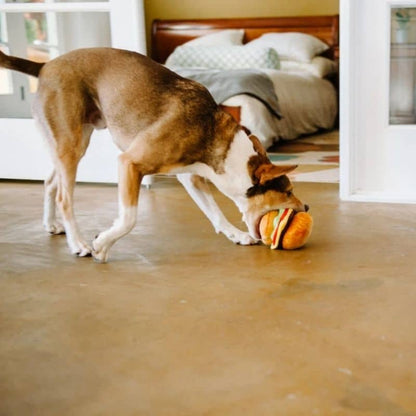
pixel 378 93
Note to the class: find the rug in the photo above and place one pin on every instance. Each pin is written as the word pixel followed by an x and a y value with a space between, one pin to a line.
pixel 317 157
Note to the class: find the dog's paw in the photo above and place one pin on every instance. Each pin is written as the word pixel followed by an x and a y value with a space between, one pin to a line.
pixel 100 256
pixel 81 249
pixel 84 252
pixel 55 228
pixel 246 240
pixel 240 237
pixel 78 247
pixel 99 251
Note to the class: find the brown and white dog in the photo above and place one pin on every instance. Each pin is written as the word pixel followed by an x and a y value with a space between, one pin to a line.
pixel 162 123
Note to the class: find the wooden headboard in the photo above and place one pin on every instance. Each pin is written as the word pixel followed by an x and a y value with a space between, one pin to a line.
pixel 168 34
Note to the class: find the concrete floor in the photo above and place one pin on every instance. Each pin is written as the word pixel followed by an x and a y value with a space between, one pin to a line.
pixel 183 322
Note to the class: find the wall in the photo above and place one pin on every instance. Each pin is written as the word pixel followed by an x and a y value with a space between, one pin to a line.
pixel 181 9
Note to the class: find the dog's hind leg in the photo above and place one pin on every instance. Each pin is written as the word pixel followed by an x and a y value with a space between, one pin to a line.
pixel 68 145
pixel 50 222
pixel 67 164
pixel 128 194
pixel 200 192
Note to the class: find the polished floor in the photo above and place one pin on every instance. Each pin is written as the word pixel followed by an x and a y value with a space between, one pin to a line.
pixel 183 322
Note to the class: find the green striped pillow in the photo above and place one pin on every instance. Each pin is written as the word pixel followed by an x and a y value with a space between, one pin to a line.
pixel 223 57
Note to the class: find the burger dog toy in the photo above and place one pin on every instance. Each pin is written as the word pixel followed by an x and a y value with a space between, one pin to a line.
pixel 285 229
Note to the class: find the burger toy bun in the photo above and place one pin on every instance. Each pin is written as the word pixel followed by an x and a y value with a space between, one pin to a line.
pixel 285 229
pixel 298 232
pixel 267 227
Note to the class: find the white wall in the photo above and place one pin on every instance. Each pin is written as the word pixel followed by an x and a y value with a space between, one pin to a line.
pixel 25 155
pixel 377 159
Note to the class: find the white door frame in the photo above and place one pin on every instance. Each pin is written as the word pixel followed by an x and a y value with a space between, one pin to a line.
pixel 377 159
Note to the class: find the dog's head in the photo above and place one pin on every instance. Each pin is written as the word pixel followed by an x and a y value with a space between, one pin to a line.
pixel 271 189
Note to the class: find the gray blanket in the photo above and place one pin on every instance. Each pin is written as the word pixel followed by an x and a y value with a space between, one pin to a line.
pixel 223 84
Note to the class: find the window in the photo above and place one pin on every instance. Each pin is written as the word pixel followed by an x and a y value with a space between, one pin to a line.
pixel 43 29
pixel 403 66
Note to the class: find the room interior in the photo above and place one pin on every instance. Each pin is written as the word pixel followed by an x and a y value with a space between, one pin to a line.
pixel 180 321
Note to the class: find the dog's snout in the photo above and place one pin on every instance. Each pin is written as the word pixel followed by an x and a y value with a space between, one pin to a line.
pixel 306 207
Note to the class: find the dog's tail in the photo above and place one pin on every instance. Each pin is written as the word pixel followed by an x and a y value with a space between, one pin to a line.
pixel 21 65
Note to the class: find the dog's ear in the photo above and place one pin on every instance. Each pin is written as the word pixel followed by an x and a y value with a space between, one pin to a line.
pixel 258 147
pixel 266 172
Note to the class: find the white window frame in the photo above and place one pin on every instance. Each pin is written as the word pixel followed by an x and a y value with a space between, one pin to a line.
pixel 126 18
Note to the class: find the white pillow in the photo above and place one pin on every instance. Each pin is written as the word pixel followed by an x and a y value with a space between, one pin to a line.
pixel 225 37
pixel 292 45
pixel 223 57
pixel 319 66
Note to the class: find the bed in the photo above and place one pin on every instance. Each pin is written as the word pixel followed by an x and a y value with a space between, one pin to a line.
pixel 303 68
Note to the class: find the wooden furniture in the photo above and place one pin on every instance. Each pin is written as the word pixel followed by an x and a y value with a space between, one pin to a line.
pixel 168 34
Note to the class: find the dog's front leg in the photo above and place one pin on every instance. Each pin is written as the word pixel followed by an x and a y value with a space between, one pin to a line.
pixel 128 194
pixel 200 192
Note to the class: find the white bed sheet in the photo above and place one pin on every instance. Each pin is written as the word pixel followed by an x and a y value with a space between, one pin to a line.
pixel 307 104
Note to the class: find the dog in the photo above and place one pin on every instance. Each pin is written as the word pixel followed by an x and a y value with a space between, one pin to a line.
pixel 162 123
